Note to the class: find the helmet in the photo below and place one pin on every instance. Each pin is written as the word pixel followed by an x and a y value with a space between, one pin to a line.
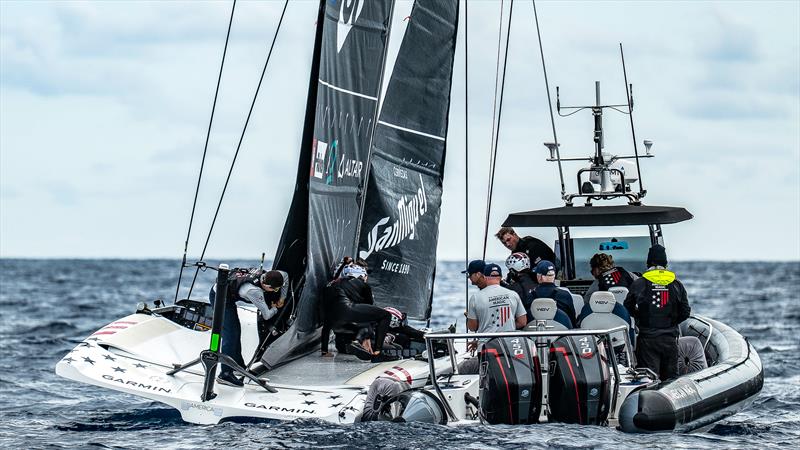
pixel 397 317
pixel 354 271
pixel 518 262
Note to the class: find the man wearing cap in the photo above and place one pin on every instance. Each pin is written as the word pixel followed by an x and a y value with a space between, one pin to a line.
pixel 475 273
pixel 495 308
pixel 267 291
pixel 546 277
pixel 659 303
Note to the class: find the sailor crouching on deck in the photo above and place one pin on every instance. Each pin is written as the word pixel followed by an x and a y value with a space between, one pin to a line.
pixel 348 300
pixel 492 309
pixel 267 292
pixel 659 304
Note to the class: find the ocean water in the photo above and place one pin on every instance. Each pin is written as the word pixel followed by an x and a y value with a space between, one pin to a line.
pixel 48 306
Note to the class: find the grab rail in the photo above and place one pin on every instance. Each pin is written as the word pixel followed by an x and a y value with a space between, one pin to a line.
pixel 430 337
pixel 710 329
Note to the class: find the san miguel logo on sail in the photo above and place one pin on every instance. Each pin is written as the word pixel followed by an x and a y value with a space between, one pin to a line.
pixel 409 213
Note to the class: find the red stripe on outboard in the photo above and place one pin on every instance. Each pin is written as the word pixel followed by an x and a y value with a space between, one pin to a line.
pixel 107 327
pixel 563 351
pixel 104 332
pixel 405 372
pixel 125 321
pixel 503 372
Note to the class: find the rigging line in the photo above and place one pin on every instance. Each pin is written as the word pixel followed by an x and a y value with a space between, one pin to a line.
pixel 466 150
pixel 630 115
pixel 494 118
pixel 239 145
pixel 550 102
pixel 205 151
pixel 493 163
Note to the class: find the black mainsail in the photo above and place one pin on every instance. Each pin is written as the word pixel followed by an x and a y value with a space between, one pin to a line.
pixel 327 199
pixel 400 224
pixel 365 176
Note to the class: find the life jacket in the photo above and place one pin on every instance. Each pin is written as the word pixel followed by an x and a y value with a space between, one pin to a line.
pixel 657 303
pixel 239 277
pixel 524 285
pixel 616 276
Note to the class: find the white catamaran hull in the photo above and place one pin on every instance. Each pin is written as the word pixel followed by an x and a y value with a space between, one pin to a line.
pixel 134 354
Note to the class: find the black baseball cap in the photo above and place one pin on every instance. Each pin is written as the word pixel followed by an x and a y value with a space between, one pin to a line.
pixel 545 268
pixel 492 270
pixel 475 266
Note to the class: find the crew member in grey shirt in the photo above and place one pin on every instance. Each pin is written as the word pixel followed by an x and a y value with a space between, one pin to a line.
pixel 495 308
pixel 492 309
pixel 267 292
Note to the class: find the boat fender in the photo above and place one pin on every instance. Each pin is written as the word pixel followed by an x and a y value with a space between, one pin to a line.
pixel 691 356
pixel 656 412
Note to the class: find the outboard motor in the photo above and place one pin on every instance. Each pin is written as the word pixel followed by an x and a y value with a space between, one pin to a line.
pixel 510 382
pixel 580 381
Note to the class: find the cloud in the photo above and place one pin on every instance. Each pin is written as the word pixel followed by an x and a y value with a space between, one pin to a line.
pixel 732 42
pixel 728 106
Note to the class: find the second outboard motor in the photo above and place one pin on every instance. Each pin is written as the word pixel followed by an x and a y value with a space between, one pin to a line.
pixel 510 382
pixel 580 381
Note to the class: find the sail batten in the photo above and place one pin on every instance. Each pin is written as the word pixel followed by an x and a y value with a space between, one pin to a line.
pixel 346 91
pixel 409 130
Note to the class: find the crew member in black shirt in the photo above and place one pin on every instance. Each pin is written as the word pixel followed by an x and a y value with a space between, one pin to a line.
pixel 536 250
pixel 659 304
pixel 348 299
pixel 546 276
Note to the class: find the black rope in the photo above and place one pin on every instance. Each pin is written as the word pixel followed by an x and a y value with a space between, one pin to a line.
pixel 496 131
pixel 241 138
pixel 630 115
pixel 205 151
pixel 466 150
pixel 549 102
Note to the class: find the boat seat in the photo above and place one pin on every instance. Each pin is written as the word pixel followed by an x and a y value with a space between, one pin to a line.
pixel 545 309
pixel 691 355
pixel 602 304
pixel 620 292
pixel 577 303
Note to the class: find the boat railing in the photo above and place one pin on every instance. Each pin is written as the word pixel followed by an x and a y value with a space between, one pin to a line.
pixel 539 335
pixel 710 329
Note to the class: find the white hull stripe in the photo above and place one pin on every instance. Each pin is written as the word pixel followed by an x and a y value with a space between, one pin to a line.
pixel 336 88
pixel 396 127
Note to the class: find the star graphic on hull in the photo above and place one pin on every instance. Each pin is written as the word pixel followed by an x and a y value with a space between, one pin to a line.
pixel 109 358
pixel 306 394
pixel 69 359
pixel 140 366
pixel 335 405
pixel 334 397
pixel 309 402
pixel 88 360
pixel 119 369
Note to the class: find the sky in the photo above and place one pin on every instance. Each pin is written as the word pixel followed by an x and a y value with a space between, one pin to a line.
pixel 104 108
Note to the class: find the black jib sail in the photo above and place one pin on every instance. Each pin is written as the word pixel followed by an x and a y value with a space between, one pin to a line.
pixel 351 61
pixel 400 219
